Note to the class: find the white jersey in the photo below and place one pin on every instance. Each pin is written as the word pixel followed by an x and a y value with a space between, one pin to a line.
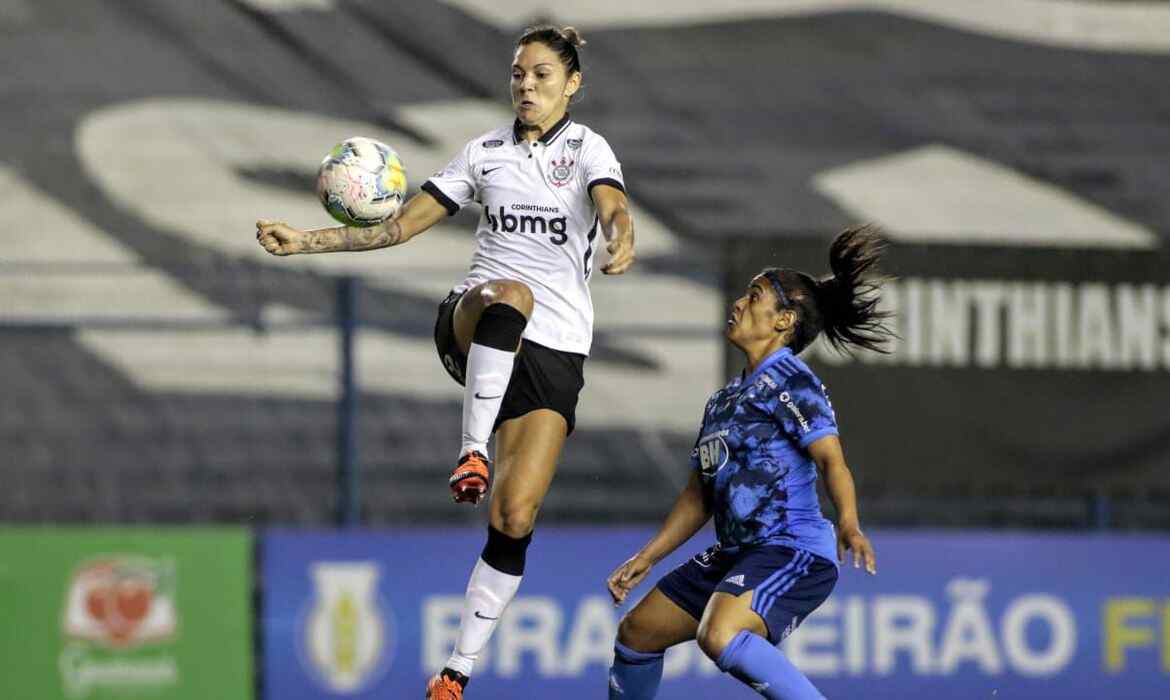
pixel 539 224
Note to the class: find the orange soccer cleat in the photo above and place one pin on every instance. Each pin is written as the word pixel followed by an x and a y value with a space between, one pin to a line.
pixel 444 687
pixel 471 478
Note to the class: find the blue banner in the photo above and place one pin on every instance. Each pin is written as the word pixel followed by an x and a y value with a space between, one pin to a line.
pixel 986 615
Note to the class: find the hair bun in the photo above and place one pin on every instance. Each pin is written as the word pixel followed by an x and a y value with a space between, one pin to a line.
pixel 573 36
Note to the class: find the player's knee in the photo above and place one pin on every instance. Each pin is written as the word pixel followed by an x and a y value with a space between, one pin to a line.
pixel 713 638
pixel 516 518
pixel 633 632
pixel 515 294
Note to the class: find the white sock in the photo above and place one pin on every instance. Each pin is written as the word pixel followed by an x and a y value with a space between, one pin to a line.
pixel 488 592
pixel 488 372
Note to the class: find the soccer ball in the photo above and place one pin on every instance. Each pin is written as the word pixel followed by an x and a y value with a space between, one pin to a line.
pixel 361 182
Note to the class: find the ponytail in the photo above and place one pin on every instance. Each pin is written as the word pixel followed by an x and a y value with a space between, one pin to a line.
pixel 848 299
pixel 843 305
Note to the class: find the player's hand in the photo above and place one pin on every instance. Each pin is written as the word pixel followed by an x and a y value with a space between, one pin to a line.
pixel 621 252
pixel 852 539
pixel 627 577
pixel 278 238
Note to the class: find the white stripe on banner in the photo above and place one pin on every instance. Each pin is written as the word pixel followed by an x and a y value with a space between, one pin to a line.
pixel 939 194
pixel 1096 26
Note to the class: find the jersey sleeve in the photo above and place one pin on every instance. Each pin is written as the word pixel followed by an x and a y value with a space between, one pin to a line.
pixel 803 409
pixel 599 166
pixel 455 186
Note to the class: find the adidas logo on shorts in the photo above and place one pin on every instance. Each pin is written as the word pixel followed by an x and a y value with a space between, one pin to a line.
pixel 737 580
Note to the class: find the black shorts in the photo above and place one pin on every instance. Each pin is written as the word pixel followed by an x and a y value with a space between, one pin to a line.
pixel 541 377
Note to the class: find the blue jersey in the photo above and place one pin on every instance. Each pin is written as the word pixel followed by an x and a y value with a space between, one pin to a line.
pixel 752 456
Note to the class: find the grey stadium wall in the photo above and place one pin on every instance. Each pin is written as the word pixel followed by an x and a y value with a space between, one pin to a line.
pixel 141 139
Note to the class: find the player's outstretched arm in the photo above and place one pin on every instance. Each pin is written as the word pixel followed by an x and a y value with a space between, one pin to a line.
pixel 690 513
pixel 617 226
pixel 420 212
pixel 838 480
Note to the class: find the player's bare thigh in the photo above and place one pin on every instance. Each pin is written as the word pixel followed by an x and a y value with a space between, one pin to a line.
pixel 655 624
pixel 475 300
pixel 527 450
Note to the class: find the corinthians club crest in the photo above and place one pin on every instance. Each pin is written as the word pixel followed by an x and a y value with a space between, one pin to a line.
pixel 346 637
pixel 562 170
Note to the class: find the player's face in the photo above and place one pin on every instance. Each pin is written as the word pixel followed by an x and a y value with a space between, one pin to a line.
pixel 754 318
pixel 541 87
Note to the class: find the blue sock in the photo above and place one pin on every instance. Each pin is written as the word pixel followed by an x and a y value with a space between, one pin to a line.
pixel 635 675
pixel 753 660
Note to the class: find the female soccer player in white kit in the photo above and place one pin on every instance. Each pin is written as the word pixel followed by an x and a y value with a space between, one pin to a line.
pixel 517 330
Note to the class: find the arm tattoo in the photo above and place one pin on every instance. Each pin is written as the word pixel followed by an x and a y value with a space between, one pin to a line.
pixel 343 238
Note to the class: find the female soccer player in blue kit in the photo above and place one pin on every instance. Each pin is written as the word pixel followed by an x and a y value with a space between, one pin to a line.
pixel 765 438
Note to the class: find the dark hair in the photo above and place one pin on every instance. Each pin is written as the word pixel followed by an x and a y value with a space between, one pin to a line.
pixel 563 42
pixel 843 305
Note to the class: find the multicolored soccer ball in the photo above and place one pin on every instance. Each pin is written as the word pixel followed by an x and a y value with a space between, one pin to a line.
pixel 361 182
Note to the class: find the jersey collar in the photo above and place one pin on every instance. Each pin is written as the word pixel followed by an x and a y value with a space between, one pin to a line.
pixel 549 136
pixel 768 362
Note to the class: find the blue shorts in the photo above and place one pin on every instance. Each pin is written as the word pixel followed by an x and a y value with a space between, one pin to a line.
pixel 787 583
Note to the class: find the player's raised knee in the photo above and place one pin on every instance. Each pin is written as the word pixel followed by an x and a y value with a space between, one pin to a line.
pixel 516 518
pixel 515 294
